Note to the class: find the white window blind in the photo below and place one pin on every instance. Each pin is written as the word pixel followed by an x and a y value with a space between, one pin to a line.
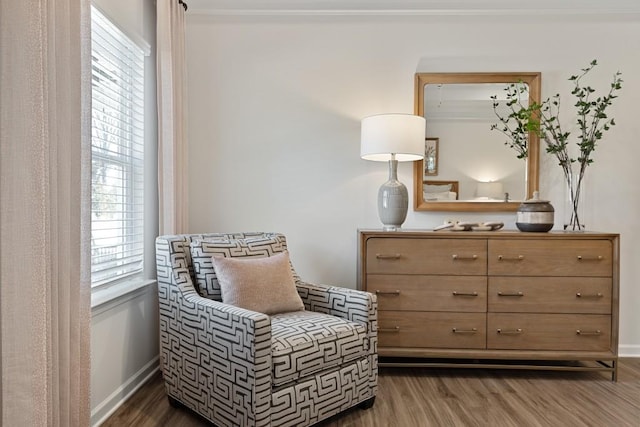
pixel 117 140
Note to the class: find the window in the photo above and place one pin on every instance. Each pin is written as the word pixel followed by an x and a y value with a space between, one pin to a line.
pixel 117 149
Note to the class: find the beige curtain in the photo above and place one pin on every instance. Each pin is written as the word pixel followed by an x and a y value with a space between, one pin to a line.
pixel 172 144
pixel 44 212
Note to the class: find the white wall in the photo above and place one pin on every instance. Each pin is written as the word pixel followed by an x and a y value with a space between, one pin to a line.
pixel 124 349
pixel 274 117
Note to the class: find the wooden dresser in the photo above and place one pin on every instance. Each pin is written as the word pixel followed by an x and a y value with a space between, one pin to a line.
pixel 502 298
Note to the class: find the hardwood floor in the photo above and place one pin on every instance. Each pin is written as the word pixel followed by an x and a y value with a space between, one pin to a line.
pixel 425 397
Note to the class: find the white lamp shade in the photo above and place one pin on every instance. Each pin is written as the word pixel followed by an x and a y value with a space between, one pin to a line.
pixel 490 190
pixel 386 134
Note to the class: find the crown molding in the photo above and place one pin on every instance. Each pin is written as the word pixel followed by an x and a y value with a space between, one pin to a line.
pixel 629 8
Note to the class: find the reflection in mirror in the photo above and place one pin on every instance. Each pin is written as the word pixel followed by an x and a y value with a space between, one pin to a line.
pixel 472 154
pixel 459 113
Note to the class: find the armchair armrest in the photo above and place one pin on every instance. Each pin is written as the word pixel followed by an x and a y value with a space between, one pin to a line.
pixel 212 353
pixel 349 304
pixel 217 346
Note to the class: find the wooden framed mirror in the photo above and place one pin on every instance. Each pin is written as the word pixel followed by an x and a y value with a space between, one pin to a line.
pixel 459 113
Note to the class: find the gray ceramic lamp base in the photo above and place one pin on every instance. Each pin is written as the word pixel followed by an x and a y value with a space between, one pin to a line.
pixel 393 200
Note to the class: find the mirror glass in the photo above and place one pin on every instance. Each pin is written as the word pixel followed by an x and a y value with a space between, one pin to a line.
pixel 467 166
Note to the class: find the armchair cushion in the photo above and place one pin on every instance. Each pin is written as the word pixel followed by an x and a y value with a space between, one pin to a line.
pixel 304 342
pixel 264 285
pixel 258 245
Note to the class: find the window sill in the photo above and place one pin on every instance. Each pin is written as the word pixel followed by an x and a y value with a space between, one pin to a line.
pixel 110 296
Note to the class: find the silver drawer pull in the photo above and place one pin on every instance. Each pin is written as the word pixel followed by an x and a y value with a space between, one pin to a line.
pixel 506 258
pixel 465 331
pixel 510 331
pixel 464 294
pixel 458 257
pixel 378 292
pixel 596 332
pixel 510 294
pixel 394 329
pixel 580 295
pixel 590 258
pixel 388 256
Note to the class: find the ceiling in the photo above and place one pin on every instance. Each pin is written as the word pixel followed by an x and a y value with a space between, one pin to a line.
pixel 413 7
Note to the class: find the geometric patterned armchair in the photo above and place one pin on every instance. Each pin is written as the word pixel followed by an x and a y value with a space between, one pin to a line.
pixel 237 367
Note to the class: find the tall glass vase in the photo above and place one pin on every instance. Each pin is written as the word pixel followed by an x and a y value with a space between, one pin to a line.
pixel 574 212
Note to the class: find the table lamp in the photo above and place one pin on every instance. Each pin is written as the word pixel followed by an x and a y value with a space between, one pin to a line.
pixel 393 138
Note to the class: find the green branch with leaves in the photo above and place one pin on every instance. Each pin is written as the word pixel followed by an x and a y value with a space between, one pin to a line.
pixel 544 120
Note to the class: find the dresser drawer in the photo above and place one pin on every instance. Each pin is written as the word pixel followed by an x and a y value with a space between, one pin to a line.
pixel 433 330
pixel 429 293
pixel 575 332
pixel 550 294
pixel 426 256
pixel 526 257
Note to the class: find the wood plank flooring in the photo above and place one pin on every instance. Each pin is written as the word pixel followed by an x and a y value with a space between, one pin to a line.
pixel 424 397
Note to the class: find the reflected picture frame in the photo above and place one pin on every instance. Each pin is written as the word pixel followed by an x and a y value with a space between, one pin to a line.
pixel 430 161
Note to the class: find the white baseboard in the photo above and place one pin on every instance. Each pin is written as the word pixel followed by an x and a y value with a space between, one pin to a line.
pixel 107 407
pixel 629 351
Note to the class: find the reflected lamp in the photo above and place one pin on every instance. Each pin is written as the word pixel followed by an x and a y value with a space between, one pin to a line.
pixel 490 190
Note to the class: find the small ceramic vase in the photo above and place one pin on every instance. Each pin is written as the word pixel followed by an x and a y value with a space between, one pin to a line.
pixel 535 215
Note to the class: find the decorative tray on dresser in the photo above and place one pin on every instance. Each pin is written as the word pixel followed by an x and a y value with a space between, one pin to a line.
pixel 503 299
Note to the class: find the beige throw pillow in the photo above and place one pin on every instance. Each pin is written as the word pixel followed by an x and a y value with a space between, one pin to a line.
pixel 264 285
